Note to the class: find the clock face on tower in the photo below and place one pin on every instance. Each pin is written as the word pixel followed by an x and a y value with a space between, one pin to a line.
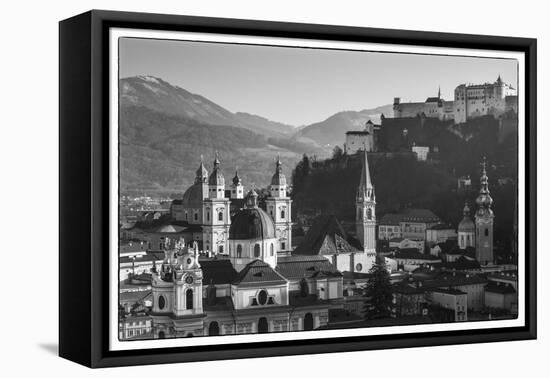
pixel 189 280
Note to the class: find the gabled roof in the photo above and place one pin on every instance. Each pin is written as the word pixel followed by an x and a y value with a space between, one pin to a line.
pixel 258 271
pixel 297 267
pixel 326 236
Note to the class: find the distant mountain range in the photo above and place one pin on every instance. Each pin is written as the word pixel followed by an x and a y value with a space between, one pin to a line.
pixel 156 94
pixel 164 129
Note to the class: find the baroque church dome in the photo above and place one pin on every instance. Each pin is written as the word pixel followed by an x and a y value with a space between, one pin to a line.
pixel 193 196
pixel 251 222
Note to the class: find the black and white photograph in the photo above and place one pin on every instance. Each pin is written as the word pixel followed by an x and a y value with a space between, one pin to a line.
pixel 309 189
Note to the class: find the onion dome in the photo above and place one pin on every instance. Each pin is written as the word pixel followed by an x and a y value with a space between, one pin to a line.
pixel 237 180
pixel 216 178
pixel 466 224
pixel 279 177
pixel 201 174
pixel 251 222
pixel 484 200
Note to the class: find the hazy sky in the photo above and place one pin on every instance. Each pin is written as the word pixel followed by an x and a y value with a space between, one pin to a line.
pixel 301 86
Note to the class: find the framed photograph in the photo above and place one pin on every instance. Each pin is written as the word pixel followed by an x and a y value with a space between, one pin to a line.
pixel 235 188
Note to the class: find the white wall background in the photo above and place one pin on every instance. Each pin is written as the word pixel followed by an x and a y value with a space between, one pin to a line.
pixel 29 190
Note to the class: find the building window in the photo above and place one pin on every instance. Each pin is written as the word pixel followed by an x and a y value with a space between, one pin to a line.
pixel 271 249
pixel 196 216
pixel 162 302
pixel 207 215
pixel 486 232
pixel 220 216
pixel 257 250
pixel 283 246
pixel 189 299
pixel 220 249
pixel 369 213
pixel 239 250
pixel 262 297
pixel 359 267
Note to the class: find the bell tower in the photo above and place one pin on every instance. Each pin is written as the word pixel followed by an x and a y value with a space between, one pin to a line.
pixel 484 219
pixel 187 280
pixel 216 213
pixel 279 207
pixel 365 203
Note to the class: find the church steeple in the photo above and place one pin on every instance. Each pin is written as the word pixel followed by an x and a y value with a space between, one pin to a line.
pixel 216 181
pixel 484 219
pixel 365 204
pixel 366 189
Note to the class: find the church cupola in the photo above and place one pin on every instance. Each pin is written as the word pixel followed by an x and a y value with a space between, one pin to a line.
pixel 484 200
pixel 278 181
pixel 216 181
pixel 466 229
pixel 201 176
pixel 237 189
pixel 484 220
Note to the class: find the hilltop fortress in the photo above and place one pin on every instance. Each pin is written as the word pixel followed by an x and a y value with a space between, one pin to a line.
pixel 470 101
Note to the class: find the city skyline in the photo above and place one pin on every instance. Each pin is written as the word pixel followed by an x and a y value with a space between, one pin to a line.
pixel 300 86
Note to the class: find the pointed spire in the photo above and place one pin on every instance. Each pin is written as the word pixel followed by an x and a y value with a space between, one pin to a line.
pixel 484 200
pixel 366 189
pixel 439 92
pixel 216 160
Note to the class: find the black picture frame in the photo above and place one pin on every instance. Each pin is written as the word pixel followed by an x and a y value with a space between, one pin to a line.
pixel 84 198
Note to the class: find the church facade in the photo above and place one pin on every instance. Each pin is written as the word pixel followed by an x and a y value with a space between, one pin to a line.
pixel 207 206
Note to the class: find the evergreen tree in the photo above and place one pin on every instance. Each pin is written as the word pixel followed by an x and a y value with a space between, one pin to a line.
pixel 378 293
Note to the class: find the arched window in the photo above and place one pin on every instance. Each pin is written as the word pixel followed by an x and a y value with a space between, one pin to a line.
pixel 369 213
pixel 189 299
pixel 220 249
pixel 213 329
pixel 161 335
pixel 220 216
pixel 271 249
pixel 207 214
pixel 263 326
pixel 308 322
pixel 257 250
pixel 196 216
pixel 486 232
pixel 162 302
pixel 239 250
pixel 282 214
